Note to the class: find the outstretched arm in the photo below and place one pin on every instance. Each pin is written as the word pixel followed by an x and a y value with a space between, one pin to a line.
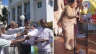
pixel 19 40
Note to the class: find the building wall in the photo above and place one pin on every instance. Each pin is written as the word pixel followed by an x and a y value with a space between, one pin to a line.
pixel 49 9
pixel 36 14
pixel 40 12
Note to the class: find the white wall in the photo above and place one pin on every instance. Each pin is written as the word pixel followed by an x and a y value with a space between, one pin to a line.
pixel 40 12
pixel 45 12
pixel 50 13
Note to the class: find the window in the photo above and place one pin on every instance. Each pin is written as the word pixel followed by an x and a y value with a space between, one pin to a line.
pixel 19 13
pixel 51 3
pixel 39 4
pixel 10 1
pixel 27 10
pixel 13 14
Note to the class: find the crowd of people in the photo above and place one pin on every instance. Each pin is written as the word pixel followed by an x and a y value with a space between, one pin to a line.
pixel 18 40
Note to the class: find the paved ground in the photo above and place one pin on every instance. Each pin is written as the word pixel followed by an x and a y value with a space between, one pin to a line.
pixel 59 46
pixel 92 47
pixel 82 43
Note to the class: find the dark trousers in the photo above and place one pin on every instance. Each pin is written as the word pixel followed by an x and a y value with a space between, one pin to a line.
pixel 25 49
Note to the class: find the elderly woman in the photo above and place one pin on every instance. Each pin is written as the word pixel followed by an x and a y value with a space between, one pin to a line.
pixel 68 20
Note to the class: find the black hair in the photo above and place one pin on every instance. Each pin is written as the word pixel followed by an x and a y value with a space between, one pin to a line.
pixel 41 21
pixel 26 20
pixel 8 27
pixel 71 1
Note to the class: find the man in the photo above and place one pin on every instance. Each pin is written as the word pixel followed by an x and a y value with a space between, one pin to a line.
pixel 33 32
pixel 3 30
pixel 9 37
pixel 5 40
pixel 25 45
pixel 10 31
pixel 12 36
pixel 13 29
pixel 44 36
pixel 7 43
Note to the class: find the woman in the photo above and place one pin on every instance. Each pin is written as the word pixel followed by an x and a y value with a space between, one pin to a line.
pixel 68 20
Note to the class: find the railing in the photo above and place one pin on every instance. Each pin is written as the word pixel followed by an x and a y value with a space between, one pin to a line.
pixel 87 28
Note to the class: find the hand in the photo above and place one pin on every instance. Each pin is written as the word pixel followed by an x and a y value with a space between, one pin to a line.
pixel 17 38
pixel 44 40
pixel 25 32
pixel 59 24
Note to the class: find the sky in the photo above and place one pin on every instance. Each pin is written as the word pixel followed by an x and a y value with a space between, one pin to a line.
pixel 5 2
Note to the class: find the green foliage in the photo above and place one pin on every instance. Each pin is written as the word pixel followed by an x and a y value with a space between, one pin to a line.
pixel 4 14
pixel 0 17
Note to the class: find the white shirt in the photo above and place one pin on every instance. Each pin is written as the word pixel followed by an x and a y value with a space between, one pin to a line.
pixel 7 42
pixel 4 42
pixel 13 31
pixel 8 37
pixel 44 33
pixel 33 34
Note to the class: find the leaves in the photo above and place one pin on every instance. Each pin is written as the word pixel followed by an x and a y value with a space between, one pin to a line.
pixel 4 15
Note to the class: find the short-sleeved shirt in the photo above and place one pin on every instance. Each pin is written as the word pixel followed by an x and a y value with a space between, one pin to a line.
pixel 33 34
pixel 11 31
pixel 8 37
pixel 44 33
pixel 4 42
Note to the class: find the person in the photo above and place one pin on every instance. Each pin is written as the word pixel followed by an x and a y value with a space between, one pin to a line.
pixel 33 34
pixel 57 14
pixel 13 29
pixel 12 36
pixel 8 43
pixel 43 38
pixel 9 37
pixel 3 30
pixel 25 45
pixel 10 31
pixel 67 22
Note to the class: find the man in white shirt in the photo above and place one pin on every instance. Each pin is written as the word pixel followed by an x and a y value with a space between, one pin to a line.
pixel 26 45
pixel 13 28
pixel 9 37
pixel 33 32
pixel 7 43
pixel 45 35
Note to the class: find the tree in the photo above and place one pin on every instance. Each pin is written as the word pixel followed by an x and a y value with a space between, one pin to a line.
pixel 4 14
pixel 0 17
